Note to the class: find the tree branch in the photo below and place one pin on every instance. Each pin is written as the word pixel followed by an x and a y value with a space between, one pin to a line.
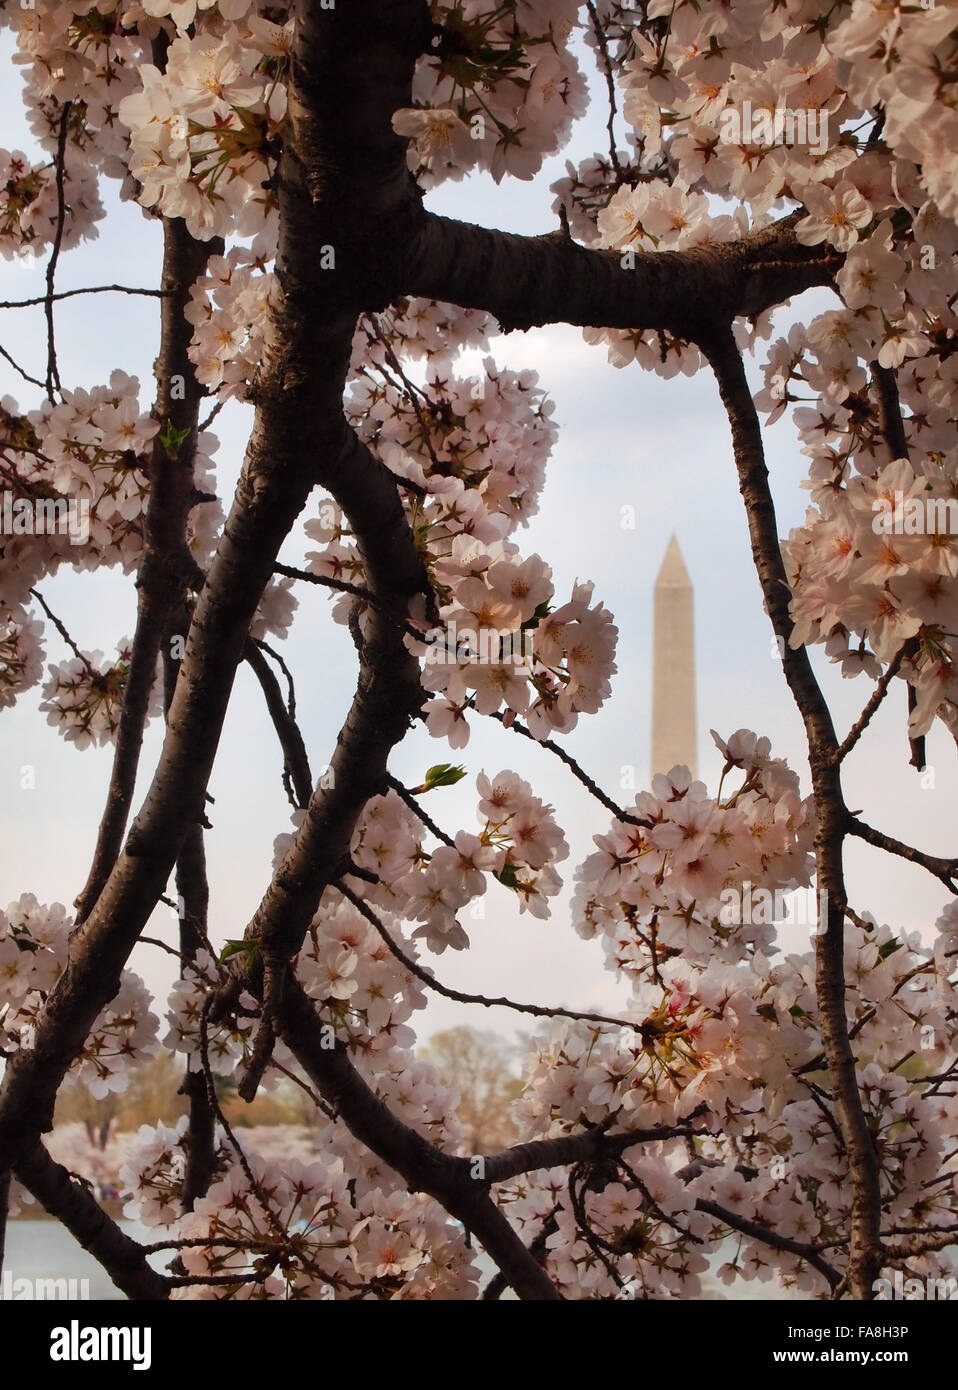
pixel 889 411
pixel 591 1146
pixel 4 1211
pixel 342 586
pixel 53 374
pixel 831 813
pixel 200 1138
pixel 529 281
pixel 424 1167
pixel 874 701
pixel 945 870
pixel 85 1219
pixel 347 77
pixel 70 294
pixel 414 968
pixel 771 1238
pixel 570 762
pixel 415 806
pixel 165 567
pixel 296 760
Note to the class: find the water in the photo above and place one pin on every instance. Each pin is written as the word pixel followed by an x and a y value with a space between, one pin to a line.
pixel 47 1250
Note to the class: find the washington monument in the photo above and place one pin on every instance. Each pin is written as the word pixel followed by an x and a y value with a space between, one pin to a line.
pixel 674 737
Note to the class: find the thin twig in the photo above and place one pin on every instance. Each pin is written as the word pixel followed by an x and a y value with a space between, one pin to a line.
pixel 53 372
pixel 343 585
pixel 314 1096
pixel 406 795
pixel 603 46
pixel 205 423
pixel 70 294
pixel 224 1122
pixel 296 758
pixel 35 593
pixel 164 946
pixel 808 1253
pixel 945 870
pixel 34 381
pixel 281 663
pixel 574 767
pixel 877 696
pixel 537 1010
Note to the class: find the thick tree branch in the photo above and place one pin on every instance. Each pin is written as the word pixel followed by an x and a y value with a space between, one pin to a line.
pixel 889 411
pixel 4 1211
pixel 164 569
pixel 592 1146
pixel 425 1168
pixel 388 696
pixel 498 1284
pixel 529 281
pixel 85 1219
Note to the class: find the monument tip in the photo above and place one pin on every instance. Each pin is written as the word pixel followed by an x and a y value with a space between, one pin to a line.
pixel 672 571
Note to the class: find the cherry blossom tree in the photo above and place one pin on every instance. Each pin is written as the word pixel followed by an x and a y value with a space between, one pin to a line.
pixel 802 1104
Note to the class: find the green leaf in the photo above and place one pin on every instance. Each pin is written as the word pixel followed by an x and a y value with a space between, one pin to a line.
pixel 443 775
pixel 541 612
pixel 172 439
pixel 237 948
pixel 507 875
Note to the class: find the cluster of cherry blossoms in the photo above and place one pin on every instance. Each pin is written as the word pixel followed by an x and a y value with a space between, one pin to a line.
pixel 499 92
pixel 518 844
pixel 82 58
pixel 83 697
pixel 228 311
pixel 475 450
pixel 21 655
pixel 772 111
pixel 74 480
pixel 664 882
pixel 29 205
pixel 333 1220
pixel 478 444
pixel 322 1227
pixel 90 448
pixel 732 1053
pixel 874 575
pixel 205 130
pixel 33 954
pixel 775 111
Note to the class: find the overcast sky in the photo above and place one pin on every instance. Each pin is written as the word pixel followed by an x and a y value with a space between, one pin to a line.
pixel 626 437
